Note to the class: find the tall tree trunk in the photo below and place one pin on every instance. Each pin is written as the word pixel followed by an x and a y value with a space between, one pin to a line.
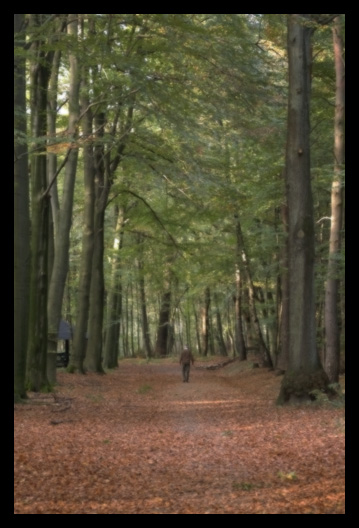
pixel 114 305
pixel 283 350
pixel 161 347
pixel 36 375
pixel 125 326
pixel 304 373
pixel 83 299
pixel 51 129
pixel 198 333
pixel 93 361
pixel 266 359
pixel 141 280
pixel 105 168
pixel 64 215
pixel 205 322
pixel 51 180
pixel 132 328
pixel 219 332
pixel 21 215
pixel 332 336
pixel 240 346
pixel 37 347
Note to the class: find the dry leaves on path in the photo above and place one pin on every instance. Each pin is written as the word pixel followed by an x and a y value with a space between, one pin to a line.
pixel 139 441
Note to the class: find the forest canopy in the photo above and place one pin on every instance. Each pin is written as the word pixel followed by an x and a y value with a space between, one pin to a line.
pixel 179 179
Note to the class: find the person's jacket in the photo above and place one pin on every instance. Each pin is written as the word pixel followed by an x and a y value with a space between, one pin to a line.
pixel 186 357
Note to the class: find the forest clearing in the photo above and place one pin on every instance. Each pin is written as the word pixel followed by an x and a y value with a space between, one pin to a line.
pixel 140 441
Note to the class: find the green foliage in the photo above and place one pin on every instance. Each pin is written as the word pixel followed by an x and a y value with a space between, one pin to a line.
pixel 195 130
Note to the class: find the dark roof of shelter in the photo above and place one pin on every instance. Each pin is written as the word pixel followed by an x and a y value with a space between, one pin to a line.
pixel 65 330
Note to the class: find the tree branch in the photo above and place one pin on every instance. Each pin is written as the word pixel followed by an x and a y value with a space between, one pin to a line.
pixel 157 218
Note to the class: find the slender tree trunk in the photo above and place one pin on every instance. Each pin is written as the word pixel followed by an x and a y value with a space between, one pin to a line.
pixel 51 171
pixel 132 327
pixel 93 361
pixel 250 337
pixel 126 327
pixel 283 352
pixel 83 299
pixel 51 127
pixel 240 346
pixel 239 337
pixel 141 281
pixel 114 306
pixel 205 322
pixel 332 336
pixel 105 168
pixel 21 216
pixel 304 372
pixel 188 332
pixel 263 350
pixel 163 324
pixel 198 333
pixel 219 333
pixel 64 215
pixel 211 346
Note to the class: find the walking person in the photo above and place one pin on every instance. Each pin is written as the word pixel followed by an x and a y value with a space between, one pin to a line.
pixel 185 360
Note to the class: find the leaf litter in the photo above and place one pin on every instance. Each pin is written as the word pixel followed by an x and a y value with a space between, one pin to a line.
pixel 140 441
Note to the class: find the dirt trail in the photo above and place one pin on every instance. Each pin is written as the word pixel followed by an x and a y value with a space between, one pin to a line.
pixel 140 441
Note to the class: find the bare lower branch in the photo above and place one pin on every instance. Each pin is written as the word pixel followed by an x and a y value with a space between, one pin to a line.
pixel 153 212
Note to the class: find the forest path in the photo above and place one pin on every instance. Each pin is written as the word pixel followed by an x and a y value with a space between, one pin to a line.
pixel 140 441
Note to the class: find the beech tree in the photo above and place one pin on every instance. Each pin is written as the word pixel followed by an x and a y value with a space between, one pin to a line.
pixel 40 70
pixel 332 335
pixel 21 214
pixel 83 298
pixel 186 115
pixel 63 211
pixel 305 373
pixel 114 304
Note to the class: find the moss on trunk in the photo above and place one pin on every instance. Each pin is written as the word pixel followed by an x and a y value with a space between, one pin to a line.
pixel 303 385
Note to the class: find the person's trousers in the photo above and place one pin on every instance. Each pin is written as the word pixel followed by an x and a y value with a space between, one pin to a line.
pixel 185 371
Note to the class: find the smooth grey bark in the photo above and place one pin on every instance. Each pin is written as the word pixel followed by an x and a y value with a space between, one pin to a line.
pixel 114 304
pixel 52 169
pixel 331 319
pixel 304 374
pixel 205 322
pixel 141 281
pixel 219 331
pixel 93 359
pixel 83 297
pixel 198 333
pixel 51 129
pixel 240 346
pixel 283 348
pixel 21 215
pixel 105 168
pixel 239 343
pixel 63 216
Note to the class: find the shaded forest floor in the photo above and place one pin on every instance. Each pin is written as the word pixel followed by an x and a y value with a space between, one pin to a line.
pixel 140 441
